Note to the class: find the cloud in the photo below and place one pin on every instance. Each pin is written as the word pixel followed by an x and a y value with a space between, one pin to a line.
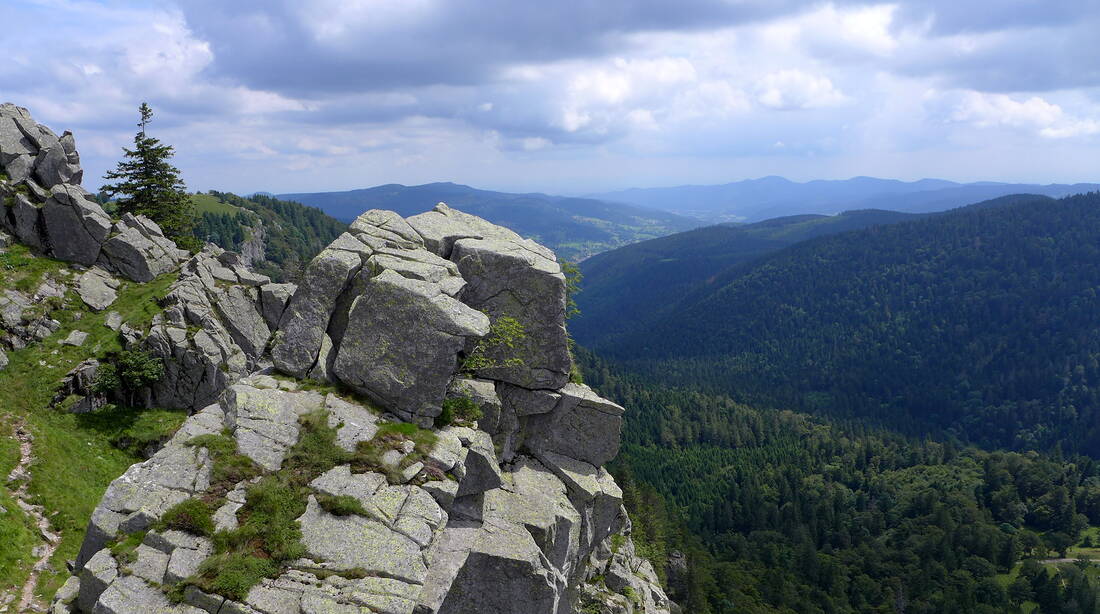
pixel 291 95
pixel 793 89
pixel 1033 114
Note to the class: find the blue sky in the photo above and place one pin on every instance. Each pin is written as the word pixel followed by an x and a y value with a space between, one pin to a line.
pixel 567 96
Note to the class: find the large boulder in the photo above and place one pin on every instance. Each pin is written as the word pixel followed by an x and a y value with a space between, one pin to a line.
pixel 305 320
pixel 139 250
pixel 75 225
pixel 402 342
pixel 507 276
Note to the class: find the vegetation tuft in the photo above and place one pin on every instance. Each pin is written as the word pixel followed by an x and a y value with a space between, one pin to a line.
pixel 193 516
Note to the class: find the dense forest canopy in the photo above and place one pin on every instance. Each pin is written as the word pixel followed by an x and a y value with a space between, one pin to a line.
pixel 979 325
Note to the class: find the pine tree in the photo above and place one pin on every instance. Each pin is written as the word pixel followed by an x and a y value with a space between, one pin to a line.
pixel 149 185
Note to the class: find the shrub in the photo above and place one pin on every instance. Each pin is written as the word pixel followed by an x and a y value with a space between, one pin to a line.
pixel 458 410
pixel 341 505
pixel 493 351
pixel 191 515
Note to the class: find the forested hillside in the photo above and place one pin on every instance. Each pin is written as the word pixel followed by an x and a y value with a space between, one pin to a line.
pixel 293 233
pixel 979 324
pixel 777 511
pixel 631 285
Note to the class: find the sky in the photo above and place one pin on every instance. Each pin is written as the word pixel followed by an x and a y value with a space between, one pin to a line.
pixel 568 96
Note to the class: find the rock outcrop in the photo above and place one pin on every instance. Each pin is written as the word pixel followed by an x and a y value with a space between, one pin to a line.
pixel 503 509
pixel 44 206
pixel 214 328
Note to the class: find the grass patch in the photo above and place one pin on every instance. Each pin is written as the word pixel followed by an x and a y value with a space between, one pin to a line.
pixel 22 270
pixel 230 466
pixel 341 505
pixel 206 203
pixel 133 430
pixel 124 549
pixel 392 436
pixel 193 516
pixel 62 440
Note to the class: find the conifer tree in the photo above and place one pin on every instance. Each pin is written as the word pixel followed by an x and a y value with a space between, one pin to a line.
pixel 148 184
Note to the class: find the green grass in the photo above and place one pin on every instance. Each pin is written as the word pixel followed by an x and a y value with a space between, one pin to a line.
pixel 205 203
pixel 193 516
pixel 22 270
pixel 340 505
pixel 268 533
pixel 230 466
pixel 17 533
pixel 134 430
pixel 75 459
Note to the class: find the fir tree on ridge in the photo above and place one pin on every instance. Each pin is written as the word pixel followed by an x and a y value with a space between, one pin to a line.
pixel 148 184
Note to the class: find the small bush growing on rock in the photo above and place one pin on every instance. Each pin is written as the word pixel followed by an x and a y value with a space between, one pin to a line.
pixel 191 515
pixel 495 350
pixel 458 410
pixel 233 574
pixel 341 505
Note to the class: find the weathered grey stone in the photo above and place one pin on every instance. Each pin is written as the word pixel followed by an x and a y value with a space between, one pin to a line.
pixel 355 542
pixel 132 595
pixel 265 422
pixel 582 426
pixel 306 317
pixel 96 575
pixel 97 289
pixel 273 299
pixel 443 491
pixel 387 226
pixel 151 564
pixel 27 222
pixel 194 596
pixel 538 501
pixel 522 583
pixel 241 316
pixel 171 475
pixel 510 280
pixel 75 338
pixel 184 562
pixel 74 225
pixel 139 249
pixel 481 469
pixel 402 342
pixel 113 320
pixel 354 423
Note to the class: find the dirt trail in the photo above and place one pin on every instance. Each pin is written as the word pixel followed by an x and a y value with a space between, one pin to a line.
pixel 21 475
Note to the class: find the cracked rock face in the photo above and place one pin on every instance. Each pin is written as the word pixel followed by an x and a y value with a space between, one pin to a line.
pixel 510 513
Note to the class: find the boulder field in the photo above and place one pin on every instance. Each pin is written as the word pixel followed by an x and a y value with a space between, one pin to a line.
pixel 411 396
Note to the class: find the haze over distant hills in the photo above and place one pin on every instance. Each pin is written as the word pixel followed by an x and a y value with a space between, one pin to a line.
pixel 753 200
pixel 573 227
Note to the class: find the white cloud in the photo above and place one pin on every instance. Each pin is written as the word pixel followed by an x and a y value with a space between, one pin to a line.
pixel 1034 114
pixel 794 89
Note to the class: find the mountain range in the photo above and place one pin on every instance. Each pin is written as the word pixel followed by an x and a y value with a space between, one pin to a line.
pixel 575 228
pixel 753 200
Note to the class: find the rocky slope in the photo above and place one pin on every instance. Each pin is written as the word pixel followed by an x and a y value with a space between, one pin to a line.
pixel 397 434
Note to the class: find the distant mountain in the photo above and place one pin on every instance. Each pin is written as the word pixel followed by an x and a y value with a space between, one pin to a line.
pixel 633 284
pixel 573 227
pixel 769 197
pixel 978 323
